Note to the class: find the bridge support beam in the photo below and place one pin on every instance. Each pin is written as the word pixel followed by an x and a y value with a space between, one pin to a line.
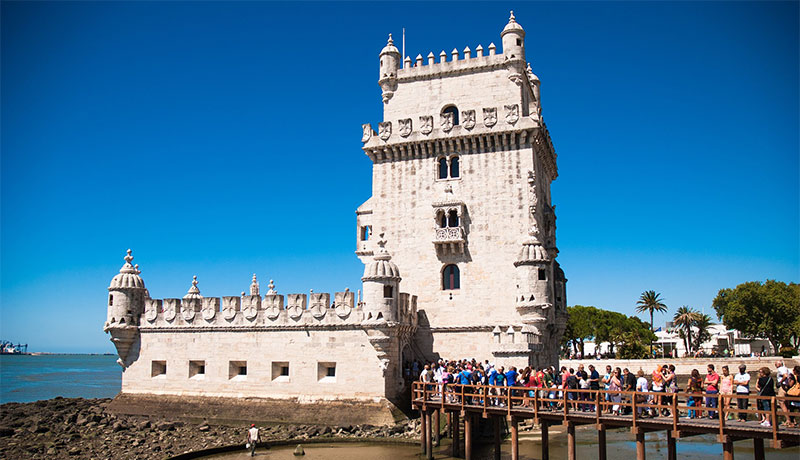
pixel 455 426
pixel 545 441
pixel 496 426
pixel 436 427
pixel 727 448
pixel 672 454
pixel 601 443
pixel 467 436
pixel 758 448
pixel 423 431
pixel 571 441
pixel 640 451
pixel 514 438
pixel 428 437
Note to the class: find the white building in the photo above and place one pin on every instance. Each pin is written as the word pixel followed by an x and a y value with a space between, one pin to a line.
pixel 458 245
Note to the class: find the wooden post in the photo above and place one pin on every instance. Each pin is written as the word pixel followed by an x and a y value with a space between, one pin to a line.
pixel 450 425
pixel 423 431
pixel 429 438
pixel 514 439
pixel 640 452
pixel 671 452
pixel 456 436
pixel 436 427
pixel 546 441
pixel 571 441
pixel 727 448
pixel 601 442
pixel 496 423
pixel 467 436
pixel 758 448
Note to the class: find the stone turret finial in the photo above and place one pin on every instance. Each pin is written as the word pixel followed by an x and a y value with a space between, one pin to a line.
pixel 391 42
pixel 381 266
pixel 511 18
pixel 271 288
pixel 254 288
pixel 127 267
pixel 194 292
pixel 128 276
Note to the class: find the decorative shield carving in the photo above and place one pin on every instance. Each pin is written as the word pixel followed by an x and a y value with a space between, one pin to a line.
pixel 447 121
pixel 209 313
pixel 405 127
pixel 366 132
pixel 468 117
pixel 188 313
pixel 250 312
pixel 273 312
pixel 170 311
pixel 426 124
pixel 343 310
pixel 385 130
pixel 512 114
pixel 151 310
pixel 295 311
pixel 489 116
pixel 318 311
pixel 229 312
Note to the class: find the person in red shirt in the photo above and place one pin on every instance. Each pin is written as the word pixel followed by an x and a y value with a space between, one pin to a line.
pixel 712 387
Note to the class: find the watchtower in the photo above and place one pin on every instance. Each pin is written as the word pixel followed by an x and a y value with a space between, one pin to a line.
pixel 462 167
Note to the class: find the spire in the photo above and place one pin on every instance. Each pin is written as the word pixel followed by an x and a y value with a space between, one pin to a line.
pixel 512 26
pixel 194 292
pixel 254 286
pixel 271 288
pixel 128 276
pixel 127 267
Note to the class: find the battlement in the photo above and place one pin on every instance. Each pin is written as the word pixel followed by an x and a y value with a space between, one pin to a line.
pixel 271 311
pixel 422 68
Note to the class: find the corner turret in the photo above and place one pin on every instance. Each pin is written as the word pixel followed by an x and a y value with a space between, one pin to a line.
pixel 126 296
pixel 513 36
pixel 390 63
pixel 381 286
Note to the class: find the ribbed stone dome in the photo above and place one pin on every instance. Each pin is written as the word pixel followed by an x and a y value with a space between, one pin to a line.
pixel 512 26
pixel 390 48
pixel 381 267
pixel 532 252
pixel 128 276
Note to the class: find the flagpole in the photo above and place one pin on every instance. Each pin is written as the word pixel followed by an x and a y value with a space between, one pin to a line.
pixel 404 43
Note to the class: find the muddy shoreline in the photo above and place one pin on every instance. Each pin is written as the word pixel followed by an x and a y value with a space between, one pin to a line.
pixel 77 428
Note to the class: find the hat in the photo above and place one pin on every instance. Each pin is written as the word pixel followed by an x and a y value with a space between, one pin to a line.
pixel 252 425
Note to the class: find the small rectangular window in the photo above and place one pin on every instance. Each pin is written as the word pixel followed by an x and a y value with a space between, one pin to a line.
pixel 326 372
pixel 237 370
pixel 542 274
pixel 366 231
pixel 197 369
pixel 158 368
pixel 280 371
pixel 388 292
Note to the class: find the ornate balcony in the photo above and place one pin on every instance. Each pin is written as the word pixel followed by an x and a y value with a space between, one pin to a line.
pixel 450 239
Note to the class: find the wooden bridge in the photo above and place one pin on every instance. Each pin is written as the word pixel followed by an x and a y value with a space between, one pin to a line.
pixel 571 408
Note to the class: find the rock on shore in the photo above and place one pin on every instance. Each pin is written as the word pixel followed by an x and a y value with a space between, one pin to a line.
pixel 63 428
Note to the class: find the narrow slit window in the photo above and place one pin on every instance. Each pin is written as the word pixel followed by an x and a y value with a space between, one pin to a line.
pixel 454 167
pixel 388 292
pixel 542 274
pixel 442 168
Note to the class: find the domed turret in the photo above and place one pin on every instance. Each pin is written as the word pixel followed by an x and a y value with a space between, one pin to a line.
pixel 513 36
pixel 390 63
pixel 126 294
pixel 381 283
pixel 194 292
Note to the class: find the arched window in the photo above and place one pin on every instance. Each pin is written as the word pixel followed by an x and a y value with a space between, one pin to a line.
pixel 454 110
pixel 441 219
pixel 450 278
pixel 452 219
pixel 442 168
pixel 454 167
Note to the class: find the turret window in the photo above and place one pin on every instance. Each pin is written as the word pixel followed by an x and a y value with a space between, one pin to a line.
pixel 542 274
pixel 448 167
pixel 452 218
pixel 450 278
pixel 388 292
pixel 366 231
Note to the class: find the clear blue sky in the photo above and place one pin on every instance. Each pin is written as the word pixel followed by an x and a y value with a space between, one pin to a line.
pixel 223 139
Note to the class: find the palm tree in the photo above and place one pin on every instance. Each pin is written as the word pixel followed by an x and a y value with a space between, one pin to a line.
pixel 702 326
pixel 649 301
pixel 686 318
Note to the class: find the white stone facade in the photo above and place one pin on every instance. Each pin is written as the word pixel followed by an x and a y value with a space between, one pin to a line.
pixel 460 217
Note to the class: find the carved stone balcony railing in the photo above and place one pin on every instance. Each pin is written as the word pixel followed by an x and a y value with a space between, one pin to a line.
pixel 450 239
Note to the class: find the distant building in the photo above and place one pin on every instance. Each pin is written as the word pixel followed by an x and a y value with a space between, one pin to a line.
pixel 458 245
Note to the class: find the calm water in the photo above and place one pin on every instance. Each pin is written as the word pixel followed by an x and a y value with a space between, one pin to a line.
pixel 620 447
pixel 26 378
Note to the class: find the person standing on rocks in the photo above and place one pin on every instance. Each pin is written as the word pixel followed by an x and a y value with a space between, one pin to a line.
pixel 252 439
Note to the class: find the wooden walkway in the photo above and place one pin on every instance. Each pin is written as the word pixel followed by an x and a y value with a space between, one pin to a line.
pixel 571 408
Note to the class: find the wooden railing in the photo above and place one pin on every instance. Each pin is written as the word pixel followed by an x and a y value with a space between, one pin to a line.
pixel 599 404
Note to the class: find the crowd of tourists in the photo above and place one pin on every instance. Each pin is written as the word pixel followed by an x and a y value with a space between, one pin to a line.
pixel 658 388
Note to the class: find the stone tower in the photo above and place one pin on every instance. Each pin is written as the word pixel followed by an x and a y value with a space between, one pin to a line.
pixel 126 297
pixel 462 167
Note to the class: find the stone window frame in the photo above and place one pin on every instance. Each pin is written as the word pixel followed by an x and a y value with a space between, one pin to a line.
pixel 158 368
pixel 197 369
pixel 448 159
pixel 277 371
pixel 324 372
pixel 235 370
pixel 456 278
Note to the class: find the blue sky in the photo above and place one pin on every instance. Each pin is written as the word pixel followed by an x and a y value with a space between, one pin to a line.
pixel 223 139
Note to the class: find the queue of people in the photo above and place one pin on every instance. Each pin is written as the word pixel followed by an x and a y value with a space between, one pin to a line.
pixel 658 390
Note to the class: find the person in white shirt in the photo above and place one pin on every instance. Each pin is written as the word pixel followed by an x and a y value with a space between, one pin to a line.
pixel 252 439
pixel 641 386
pixel 742 382
pixel 782 373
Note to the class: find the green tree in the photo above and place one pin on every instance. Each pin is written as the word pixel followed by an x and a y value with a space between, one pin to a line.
pixel 770 310
pixel 634 336
pixel 609 327
pixel 650 302
pixel 580 326
pixel 702 330
pixel 685 319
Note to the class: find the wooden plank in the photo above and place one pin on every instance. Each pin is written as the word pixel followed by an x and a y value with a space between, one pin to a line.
pixel 758 449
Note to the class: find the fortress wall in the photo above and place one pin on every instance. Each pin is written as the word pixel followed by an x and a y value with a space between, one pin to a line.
pixel 357 369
